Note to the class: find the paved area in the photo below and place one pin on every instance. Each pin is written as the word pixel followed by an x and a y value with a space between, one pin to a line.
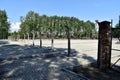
pixel 20 61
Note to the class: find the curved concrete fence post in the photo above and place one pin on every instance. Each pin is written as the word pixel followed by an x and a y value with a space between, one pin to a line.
pixel 104 42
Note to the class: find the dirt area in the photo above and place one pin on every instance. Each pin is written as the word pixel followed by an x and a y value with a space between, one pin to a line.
pixel 93 73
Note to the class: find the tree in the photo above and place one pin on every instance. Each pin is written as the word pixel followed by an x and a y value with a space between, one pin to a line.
pixel 116 32
pixel 45 26
pixel 4 25
pixel 90 30
pixel 29 24
pixel 15 35
pixel 39 26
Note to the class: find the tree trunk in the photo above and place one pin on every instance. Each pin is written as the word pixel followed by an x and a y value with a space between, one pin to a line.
pixel 28 37
pixel 52 36
pixel 24 38
pixel 119 39
pixel 52 40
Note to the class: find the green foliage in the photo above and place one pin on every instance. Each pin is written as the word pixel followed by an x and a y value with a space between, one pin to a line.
pixel 116 33
pixel 48 25
pixel 4 25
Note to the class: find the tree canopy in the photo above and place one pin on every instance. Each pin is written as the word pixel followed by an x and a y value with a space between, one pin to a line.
pixel 33 22
pixel 116 33
pixel 4 25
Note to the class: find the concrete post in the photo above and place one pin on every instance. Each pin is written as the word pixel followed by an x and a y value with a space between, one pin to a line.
pixel 104 42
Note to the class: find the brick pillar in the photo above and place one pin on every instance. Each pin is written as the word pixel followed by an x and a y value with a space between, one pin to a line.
pixel 104 54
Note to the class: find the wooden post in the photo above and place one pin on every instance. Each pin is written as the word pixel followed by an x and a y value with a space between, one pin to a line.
pixel 104 43
pixel 52 35
pixel 33 37
pixel 28 38
pixel 68 36
pixel 40 38
pixel 52 41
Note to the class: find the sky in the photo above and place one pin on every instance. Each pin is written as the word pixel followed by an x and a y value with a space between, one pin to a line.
pixel 83 9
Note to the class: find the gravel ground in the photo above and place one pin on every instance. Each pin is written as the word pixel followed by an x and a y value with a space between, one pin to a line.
pixel 94 73
pixel 21 61
pixel 34 69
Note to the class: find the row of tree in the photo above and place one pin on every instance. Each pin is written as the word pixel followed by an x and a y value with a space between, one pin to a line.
pixel 4 25
pixel 34 25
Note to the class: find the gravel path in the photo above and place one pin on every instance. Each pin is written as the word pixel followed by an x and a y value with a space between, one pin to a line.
pixel 34 69
pixel 19 61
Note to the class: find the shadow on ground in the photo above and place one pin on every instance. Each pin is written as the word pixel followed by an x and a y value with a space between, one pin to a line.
pixel 3 42
pixel 30 63
pixel 93 73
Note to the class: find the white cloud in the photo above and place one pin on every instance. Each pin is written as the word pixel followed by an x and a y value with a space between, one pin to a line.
pixel 15 26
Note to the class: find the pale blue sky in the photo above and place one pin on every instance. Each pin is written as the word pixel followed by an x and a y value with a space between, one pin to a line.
pixel 82 9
